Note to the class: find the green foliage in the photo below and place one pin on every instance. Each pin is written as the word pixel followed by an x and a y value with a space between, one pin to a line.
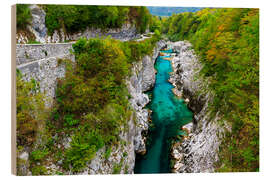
pixel 125 154
pixel 126 169
pixel 135 51
pixel 38 155
pixel 23 15
pixel 142 18
pixel 30 109
pixel 227 41
pixel 157 34
pixel 108 153
pixel 84 146
pixel 33 42
pixel 117 167
pixel 74 18
pixel 109 121
pixel 155 24
pixel 70 121
pixel 39 170
pixel 96 79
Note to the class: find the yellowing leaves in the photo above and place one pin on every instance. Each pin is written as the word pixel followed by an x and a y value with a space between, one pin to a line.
pixel 221 27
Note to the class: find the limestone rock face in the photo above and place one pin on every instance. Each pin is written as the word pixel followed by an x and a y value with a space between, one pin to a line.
pixel 125 33
pixel 148 76
pixel 38 23
pixel 199 150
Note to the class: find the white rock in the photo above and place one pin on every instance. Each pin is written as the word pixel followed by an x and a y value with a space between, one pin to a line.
pixel 200 150
pixel 188 126
pixel 24 156
pixel 177 155
pixel 178 165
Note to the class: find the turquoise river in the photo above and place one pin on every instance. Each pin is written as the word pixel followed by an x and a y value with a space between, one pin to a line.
pixel 168 114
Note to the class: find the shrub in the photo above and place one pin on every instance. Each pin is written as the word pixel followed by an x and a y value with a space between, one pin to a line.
pixel 117 167
pixel 30 109
pixel 96 79
pixel 108 153
pixel 70 121
pixel 39 170
pixel 84 146
pixel 157 34
pixel 23 16
pixel 38 155
pixel 125 154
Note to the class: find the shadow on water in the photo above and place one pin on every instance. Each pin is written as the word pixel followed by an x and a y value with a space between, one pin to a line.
pixel 168 115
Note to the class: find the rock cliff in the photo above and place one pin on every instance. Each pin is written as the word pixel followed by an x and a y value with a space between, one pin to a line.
pixel 198 151
pixel 40 32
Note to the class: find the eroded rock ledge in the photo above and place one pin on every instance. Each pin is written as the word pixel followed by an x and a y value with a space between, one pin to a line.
pixel 198 151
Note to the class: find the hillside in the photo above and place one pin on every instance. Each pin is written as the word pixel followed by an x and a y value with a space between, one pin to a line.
pixel 168 11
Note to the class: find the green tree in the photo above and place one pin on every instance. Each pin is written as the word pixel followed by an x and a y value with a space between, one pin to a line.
pixel 23 16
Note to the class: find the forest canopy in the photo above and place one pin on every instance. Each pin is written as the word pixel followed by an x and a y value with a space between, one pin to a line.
pixel 74 18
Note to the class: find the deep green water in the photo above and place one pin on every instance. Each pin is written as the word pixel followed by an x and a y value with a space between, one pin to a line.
pixel 169 113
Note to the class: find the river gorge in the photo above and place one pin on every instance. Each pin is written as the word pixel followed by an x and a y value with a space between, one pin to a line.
pixel 169 113
pixel 119 90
